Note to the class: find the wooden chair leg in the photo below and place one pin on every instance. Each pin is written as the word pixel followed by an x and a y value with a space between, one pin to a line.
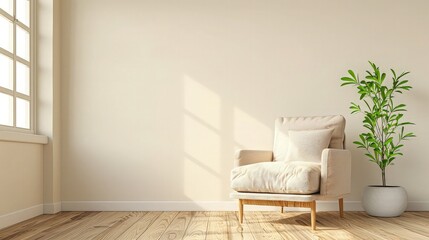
pixel 240 210
pixel 313 215
pixel 341 206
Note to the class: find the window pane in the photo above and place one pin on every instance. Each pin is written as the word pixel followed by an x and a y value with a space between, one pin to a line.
pixel 7 5
pixel 22 43
pixel 22 78
pixel 23 11
pixel 6 34
pixel 6 71
pixel 6 109
pixel 22 113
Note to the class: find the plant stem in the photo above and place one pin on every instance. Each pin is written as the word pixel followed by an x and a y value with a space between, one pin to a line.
pixel 383 176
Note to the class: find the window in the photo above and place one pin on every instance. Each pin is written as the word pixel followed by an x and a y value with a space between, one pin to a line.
pixel 16 60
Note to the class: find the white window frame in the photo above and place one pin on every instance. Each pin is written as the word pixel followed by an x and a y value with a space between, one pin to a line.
pixel 31 64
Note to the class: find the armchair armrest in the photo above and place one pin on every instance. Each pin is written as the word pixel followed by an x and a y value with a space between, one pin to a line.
pixel 245 157
pixel 335 172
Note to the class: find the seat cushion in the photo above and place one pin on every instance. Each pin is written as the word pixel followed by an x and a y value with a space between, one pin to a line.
pixel 277 177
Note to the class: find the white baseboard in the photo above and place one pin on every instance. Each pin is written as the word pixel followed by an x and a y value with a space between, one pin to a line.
pixel 148 206
pixel 20 215
pixel 51 208
pixel 190 206
pixel 209 206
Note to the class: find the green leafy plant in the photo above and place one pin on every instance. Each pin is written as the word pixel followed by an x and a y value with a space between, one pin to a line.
pixel 383 119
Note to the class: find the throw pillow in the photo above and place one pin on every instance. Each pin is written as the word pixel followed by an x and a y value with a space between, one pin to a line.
pixel 308 145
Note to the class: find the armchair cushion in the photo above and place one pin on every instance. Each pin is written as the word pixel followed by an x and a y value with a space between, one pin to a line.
pixel 284 124
pixel 308 145
pixel 277 177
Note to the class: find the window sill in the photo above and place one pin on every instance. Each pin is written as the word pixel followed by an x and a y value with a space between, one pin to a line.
pixel 22 137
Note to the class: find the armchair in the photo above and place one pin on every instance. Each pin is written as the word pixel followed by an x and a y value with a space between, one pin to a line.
pixel 308 163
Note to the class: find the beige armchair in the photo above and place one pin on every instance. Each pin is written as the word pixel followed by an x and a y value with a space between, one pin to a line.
pixel 308 163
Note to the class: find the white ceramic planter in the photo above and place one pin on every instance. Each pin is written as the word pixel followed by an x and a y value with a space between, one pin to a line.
pixel 389 201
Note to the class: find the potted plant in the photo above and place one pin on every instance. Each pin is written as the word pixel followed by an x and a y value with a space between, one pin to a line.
pixel 384 124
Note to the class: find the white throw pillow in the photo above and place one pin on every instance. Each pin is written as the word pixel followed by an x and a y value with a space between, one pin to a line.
pixel 308 145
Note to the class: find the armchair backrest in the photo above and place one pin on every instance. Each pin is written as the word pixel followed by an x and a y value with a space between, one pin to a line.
pixel 284 124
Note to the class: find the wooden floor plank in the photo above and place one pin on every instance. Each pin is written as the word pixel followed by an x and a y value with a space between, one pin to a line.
pixel 63 228
pixel 377 232
pixel 139 227
pixel 218 225
pixel 178 226
pixel 16 229
pixel 335 226
pixel 343 224
pixel 236 230
pixel 410 225
pixel 388 231
pixel 159 226
pixel 260 227
pixel 288 226
pixel 418 218
pixel 197 228
pixel 96 227
pixel 46 225
pixel 423 215
pixel 125 222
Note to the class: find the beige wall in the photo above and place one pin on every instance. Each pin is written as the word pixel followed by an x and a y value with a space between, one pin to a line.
pixel 157 95
pixel 21 176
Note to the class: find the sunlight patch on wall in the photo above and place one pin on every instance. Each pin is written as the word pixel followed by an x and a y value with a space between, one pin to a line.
pixel 249 133
pixel 202 102
pixel 202 142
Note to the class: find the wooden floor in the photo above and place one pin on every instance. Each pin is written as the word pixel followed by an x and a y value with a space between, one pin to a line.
pixel 218 225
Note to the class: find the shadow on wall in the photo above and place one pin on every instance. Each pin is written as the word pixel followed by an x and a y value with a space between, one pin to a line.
pixel 213 130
